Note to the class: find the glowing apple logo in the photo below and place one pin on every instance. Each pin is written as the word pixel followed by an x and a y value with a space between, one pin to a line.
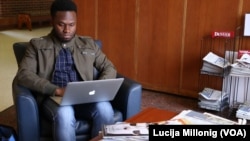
pixel 92 92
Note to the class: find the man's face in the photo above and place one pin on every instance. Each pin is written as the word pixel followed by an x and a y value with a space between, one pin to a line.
pixel 64 24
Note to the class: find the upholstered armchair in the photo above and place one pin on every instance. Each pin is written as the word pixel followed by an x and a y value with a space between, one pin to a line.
pixel 32 126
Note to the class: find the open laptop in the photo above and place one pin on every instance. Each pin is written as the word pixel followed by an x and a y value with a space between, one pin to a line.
pixel 89 91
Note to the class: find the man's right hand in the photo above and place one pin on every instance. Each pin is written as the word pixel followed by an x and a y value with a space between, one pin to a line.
pixel 59 91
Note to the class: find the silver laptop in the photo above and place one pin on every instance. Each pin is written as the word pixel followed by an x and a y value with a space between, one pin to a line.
pixel 89 91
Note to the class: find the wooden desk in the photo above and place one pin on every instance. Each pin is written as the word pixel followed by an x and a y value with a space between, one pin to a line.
pixel 147 115
pixel 152 115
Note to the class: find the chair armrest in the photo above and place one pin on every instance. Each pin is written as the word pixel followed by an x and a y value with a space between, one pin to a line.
pixel 128 98
pixel 27 113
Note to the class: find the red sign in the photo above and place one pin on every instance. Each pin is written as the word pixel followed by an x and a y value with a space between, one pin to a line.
pixel 223 34
pixel 241 52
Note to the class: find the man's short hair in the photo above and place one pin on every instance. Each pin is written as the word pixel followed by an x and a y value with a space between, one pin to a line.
pixel 62 5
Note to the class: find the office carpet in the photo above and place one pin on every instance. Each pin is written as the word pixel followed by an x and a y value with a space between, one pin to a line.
pixel 160 100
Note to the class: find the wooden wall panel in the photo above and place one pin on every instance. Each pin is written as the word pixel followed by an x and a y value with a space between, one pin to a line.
pixel 86 17
pixel 159 44
pixel 203 17
pixel 116 28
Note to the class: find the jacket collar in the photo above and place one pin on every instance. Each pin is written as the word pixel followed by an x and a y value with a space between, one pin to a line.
pixel 60 44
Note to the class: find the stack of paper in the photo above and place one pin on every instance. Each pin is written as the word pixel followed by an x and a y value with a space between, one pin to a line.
pixel 241 67
pixel 213 99
pixel 126 131
pixel 215 65
pixel 243 111
pixel 187 117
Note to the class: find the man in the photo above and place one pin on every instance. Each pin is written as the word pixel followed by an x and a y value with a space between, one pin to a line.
pixel 61 57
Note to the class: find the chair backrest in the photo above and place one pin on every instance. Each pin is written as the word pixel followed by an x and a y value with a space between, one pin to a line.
pixel 19 49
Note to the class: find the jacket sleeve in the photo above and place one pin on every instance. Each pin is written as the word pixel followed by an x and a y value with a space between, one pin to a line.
pixel 104 66
pixel 101 63
pixel 27 74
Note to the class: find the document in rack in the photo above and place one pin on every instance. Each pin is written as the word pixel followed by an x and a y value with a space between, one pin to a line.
pixel 216 60
pixel 212 94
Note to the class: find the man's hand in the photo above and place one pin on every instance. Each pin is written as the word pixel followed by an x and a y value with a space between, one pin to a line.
pixel 59 91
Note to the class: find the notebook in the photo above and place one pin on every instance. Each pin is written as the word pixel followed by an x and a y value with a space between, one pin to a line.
pixel 89 91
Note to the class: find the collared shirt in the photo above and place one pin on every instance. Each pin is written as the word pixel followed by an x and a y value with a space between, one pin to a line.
pixel 65 70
